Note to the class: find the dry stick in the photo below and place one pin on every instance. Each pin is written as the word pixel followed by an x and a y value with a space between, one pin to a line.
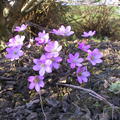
pixel 92 93
pixel 41 104
pixel 5 78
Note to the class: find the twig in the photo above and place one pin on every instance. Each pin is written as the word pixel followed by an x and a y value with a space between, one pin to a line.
pixel 92 93
pixel 27 5
pixel 37 26
pixel 21 69
pixel 27 105
pixel 41 103
pixel 5 78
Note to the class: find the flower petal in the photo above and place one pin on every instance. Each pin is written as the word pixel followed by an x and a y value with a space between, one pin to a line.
pixel 72 65
pixel 36 67
pixel 42 71
pixel 48 69
pixel 79 79
pixel 37 87
pixel 31 86
pixel 41 83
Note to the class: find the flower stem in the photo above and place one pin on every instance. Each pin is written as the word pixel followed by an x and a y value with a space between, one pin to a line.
pixel 41 104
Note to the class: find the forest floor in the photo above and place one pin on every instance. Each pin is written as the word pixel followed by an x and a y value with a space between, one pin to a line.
pixel 61 103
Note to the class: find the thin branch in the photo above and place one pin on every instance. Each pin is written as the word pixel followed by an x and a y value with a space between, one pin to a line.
pixel 92 93
pixel 33 4
pixel 21 69
pixel 5 78
pixel 27 105
pixel 28 5
pixel 39 27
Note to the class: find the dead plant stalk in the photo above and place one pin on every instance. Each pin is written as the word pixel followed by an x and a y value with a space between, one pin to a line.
pixel 92 93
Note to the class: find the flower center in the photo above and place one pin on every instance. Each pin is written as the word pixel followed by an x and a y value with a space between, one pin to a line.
pixel 74 60
pixel 92 57
pixel 53 50
pixel 52 59
pixel 15 53
pixel 42 65
pixel 36 80
pixel 80 74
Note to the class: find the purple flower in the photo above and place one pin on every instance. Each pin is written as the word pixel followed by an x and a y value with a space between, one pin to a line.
pixel 88 34
pixel 82 74
pixel 14 53
pixel 36 82
pixel 74 60
pixel 42 65
pixel 42 38
pixel 53 48
pixel 20 28
pixel 55 61
pixel 84 47
pixel 94 56
pixel 63 31
pixel 16 41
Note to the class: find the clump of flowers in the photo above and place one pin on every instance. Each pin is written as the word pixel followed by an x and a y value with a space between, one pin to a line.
pixel 84 47
pixel 55 61
pixel 36 82
pixel 42 38
pixel 16 41
pixel 42 65
pixel 88 34
pixel 20 28
pixel 94 56
pixel 53 48
pixel 48 60
pixel 63 31
pixel 82 74
pixel 14 53
pixel 51 59
pixel 15 44
pixel 74 60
